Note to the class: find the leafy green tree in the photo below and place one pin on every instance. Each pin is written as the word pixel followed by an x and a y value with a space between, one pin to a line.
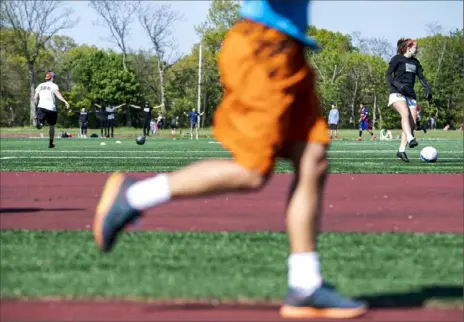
pixel 34 22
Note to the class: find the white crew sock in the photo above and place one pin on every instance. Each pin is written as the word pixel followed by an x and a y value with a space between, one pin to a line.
pixel 304 272
pixel 149 193
pixel 402 149
pixel 409 137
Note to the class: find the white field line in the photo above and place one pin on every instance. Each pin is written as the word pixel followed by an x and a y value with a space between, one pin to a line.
pixel 179 158
pixel 196 151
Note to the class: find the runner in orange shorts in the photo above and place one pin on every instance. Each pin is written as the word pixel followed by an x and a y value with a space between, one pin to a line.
pixel 270 108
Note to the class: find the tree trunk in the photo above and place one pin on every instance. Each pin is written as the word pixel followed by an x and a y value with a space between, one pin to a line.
pixel 204 108
pixel 124 57
pixel 32 86
pixel 162 84
pixel 380 117
pixel 129 117
pixel 353 101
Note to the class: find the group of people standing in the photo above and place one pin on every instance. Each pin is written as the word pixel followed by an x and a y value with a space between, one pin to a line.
pixel 106 115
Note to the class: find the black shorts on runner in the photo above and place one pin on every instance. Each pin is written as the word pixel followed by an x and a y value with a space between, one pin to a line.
pixel 46 115
pixel 333 126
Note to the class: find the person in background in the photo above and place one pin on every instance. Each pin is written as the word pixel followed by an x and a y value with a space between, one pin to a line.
pixel 102 119
pixel 44 99
pixel 83 122
pixel 334 119
pixel 111 118
pixel 193 117
pixel 419 125
pixel 401 74
pixel 364 124
pixel 385 135
pixel 174 125
pixel 147 117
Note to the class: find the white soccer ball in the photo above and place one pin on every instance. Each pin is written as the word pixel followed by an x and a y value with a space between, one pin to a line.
pixel 429 154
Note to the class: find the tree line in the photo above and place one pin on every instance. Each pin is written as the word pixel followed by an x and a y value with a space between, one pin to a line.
pixel 350 69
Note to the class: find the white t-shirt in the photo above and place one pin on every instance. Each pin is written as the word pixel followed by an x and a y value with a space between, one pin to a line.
pixel 47 92
pixel 334 116
pixel 110 111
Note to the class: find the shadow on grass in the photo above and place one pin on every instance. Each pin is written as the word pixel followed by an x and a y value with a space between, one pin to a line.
pixel 8 211
pixel 412 299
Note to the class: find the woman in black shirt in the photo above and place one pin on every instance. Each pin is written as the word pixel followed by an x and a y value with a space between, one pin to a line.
pixel 401 75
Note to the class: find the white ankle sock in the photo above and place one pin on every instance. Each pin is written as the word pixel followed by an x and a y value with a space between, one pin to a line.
pixel 402 149
pixel 409 137
pixel 304 272
pixel 149 193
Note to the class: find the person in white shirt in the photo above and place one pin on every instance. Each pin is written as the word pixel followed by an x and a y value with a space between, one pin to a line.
pixel 44 99
pixel 386 135
pixel 334 119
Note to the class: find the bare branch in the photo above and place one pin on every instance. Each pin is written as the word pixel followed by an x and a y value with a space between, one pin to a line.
pixel 158 23
pixel 434 28
pixel 117 17
pixel 34 22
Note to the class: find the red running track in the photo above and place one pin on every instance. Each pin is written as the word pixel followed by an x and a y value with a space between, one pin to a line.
pixel 353 203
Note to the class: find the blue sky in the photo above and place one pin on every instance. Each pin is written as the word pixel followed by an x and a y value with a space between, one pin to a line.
pixel 386 19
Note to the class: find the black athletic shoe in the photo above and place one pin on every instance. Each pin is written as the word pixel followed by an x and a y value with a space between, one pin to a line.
pixel 402 156
pixel 413 143
pixel 51 145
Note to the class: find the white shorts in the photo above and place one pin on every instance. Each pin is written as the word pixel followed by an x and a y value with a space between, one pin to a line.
pixel 395 97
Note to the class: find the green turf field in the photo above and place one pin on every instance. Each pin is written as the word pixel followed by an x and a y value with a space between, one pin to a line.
pixel 224 265
pixel 166 154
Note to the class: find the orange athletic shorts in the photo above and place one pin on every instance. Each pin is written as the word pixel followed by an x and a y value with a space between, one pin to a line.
pixel 269 96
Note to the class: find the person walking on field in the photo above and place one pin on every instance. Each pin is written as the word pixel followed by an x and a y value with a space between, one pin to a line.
pixel 268 86
pixel 364 124
pixel 44 99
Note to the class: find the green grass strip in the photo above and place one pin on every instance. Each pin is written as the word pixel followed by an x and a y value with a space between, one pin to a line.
pixel 227 266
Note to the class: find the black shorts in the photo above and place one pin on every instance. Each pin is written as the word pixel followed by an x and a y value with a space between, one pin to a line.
pixel 46 115
pixel 103 124
pixel 333 126
pixel 111 123
pixel 173 126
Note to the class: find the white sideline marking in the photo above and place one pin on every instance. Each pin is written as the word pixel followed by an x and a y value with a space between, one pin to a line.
pixel 197 151
pixel 183 158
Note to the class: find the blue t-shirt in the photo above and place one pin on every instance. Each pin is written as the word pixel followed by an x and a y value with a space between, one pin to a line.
pixel 193 116
pixel 288 17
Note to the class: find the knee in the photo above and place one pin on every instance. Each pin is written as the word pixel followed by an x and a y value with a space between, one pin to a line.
pixel 314 164
pixel 251 179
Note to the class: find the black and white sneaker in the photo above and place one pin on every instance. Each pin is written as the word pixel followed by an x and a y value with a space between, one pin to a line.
pixel 413 143
pixel 402 156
